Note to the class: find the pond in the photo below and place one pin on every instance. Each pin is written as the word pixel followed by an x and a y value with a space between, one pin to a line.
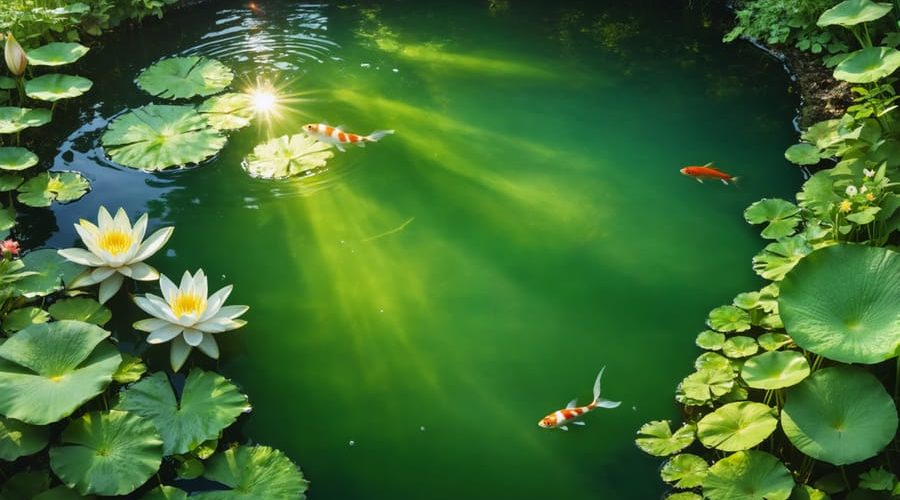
pixel 417 307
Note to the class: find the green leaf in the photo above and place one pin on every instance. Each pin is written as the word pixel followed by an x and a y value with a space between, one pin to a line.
pixel 18 439
pixel 864 216
pixel 778 258
pixel 13 158
pixel 714 361
pixel 252 473
pixel 286 156
pixel 684 495
pixel 165 493
pixel 656 438
pixel 818 196
pixel 804 492
pixel 852 12
pixel 130 369
pixel 841 303
pixel 748 475
pixel 703 386
pixel 737 426
pixel 782 217
pixel 190 469
pixel 60 493
pixel 183 77
pixel 107 453
pixel 803 154
pixel 209 403
pixel 228 111
pixel 877 480
pixel 868 65
pixel 13 120
pixel 56 54
pixel 81 309
pixel 50 272
pixel 820 422
pixel 775 370
pixel 684 471
pixel 47 371
pixel 7 83
pixel 44 188
pixel 53 87
pixel 21 319
pixel 710 340
pixel 206 449
pixel 740 347
pixel 25 485
pixel 773 341
pixel 156 137
pixel 8 182
pixel 728 319
pixel 747 300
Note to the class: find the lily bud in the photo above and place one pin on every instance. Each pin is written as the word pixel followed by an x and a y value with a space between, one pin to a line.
pixel 16 60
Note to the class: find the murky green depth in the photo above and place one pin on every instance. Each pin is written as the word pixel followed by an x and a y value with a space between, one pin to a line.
pixel 419 306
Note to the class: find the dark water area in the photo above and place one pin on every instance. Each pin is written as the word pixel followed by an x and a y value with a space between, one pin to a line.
pixel 430 297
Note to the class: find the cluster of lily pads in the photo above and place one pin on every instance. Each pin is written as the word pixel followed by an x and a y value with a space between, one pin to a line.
pixel 795 396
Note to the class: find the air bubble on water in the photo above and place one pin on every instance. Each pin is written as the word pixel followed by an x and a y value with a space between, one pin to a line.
pixel 170 253
pixel 395 70
pixel 352 443
pixel 634 408
pixel 422 428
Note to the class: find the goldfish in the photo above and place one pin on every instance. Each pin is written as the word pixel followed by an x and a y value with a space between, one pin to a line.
pixel 708 172
pixel 337 137
pixel 560 418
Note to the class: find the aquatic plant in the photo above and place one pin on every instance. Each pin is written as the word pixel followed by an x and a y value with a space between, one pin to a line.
pixel 287 156
pixel 184 77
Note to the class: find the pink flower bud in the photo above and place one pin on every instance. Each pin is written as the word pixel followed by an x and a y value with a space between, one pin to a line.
pixel 16 60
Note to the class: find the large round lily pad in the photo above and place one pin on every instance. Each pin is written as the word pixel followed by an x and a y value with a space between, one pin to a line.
pixel 13 158
pixel 182 77
pixel 208 404
pixel 748 475
pixel 107 453
pixel 81 309
pixel 840 415
pixel 841 302
pixel 18 439
pixel 228 111
pixel 868 65
pixel 49 272
pixel 737 426
pixel 54 87
pixel 49 370
pixel 56 54
pixel 657 438
pixel 782 217
pixel 852 12
pixel 44 188
pixel 774 370
pixel 684 471
pixel 14 120
pixel 286 156
pixel 252 473
pixel 156 137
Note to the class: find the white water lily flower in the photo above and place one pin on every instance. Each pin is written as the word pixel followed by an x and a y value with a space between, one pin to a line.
pixel 114 251
pixel 851 190
pixel 188 317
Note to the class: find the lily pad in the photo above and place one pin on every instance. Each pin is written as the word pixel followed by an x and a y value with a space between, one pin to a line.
pixel 228 111
pixel 81 309
pixel 8 182
pixel 782 217
pixel 107 453
pixel 684 495
pixel 208 404
pixel 657 438
pixel 44 188
pixel 130 369
pixel 877 480
pixel 703 386
pixel 25 485
pixel 47 371
pixel 778 258
pixel 710 340
pixel 14 120
pixel 50 270
pixel 53 87
pixel 714 361
pixel 183 77
pixel 740 347
pixel 18 439
pixel 286 156
pixel 729 319
pixel 840 415
pixel 748 475
pixel 684 471
pixel 775 370
pixel 13 158
pixel 805 492
pixel 773 341
pixel 254 472
pixel 868 65
pixel 737 426
pixel 165 493
pixel 803 154
pixel 61 493
pixel 56 54
pixel 156 137
pixel 841 303
pixel 852 12
pixel 21 319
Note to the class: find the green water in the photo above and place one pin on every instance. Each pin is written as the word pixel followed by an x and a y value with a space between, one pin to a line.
pixel 430 297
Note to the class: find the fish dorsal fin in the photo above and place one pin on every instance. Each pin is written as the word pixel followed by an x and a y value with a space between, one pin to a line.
pixel 710 166
pixel 571 404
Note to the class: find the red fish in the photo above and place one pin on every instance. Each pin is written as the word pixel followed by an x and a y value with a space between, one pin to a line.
pixel 337 137
pixel 708 172
pixel 560 418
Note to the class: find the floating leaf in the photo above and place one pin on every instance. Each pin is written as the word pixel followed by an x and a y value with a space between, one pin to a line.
pixel 852 12
pixel 737 426
pixel 182 77
pixel 684 471
pixel 782 217
pixel 25 485
pixel 54 87
pixel 42 189
pixel 50 271
pixel 740 347
pixel 714 361
pixel 737 393
pixel 710 340
pixel 60 493
pixel 7 220
pixel 748 475
pixel 56 54
pixel 747 300
pixel 13 158
pixel 841 303
pixel 228 111
pixel 13 120
pixel 804 492
pixel 21 319
pixel 778 258
pixel 107 453
pixel 190 469
pixel 18 439
pixel 703 386
pixel 130 369
pixel 773 341
pixel 81 309
pixel 729 319
pixel 165 493
pixel 254 472
pixel 877 480
pixel 820 421
pixel 208 404
pixel 817 195
pixel 803 154
pixel 868 65
pixel 156 137
pixel 8 182
pixel 657 439
pixel 684 495
pixel 775 370
pixel 286 156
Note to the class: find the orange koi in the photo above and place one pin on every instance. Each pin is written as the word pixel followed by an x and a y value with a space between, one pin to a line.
pixel 708 172
pixel 561 418
pixel 337 137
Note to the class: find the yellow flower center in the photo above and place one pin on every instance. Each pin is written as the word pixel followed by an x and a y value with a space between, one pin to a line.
pixel 870 196
pixel 845 206
pixel 115 242
pixel 55 185
pixel 187 303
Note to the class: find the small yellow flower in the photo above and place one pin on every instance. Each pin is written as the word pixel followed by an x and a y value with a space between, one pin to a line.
pixel 845 206
pixel 870 196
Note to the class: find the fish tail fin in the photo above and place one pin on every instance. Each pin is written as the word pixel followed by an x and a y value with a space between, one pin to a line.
pixel 735 181
pixel 605 403
pixel 598 401
pixel 378 134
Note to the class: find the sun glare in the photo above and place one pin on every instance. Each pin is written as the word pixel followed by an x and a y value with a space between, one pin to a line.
pixel 263 100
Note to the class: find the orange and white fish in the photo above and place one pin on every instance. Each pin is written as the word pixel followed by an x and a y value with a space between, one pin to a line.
pixel 561 418
pixel 337 137
pixel 708 172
